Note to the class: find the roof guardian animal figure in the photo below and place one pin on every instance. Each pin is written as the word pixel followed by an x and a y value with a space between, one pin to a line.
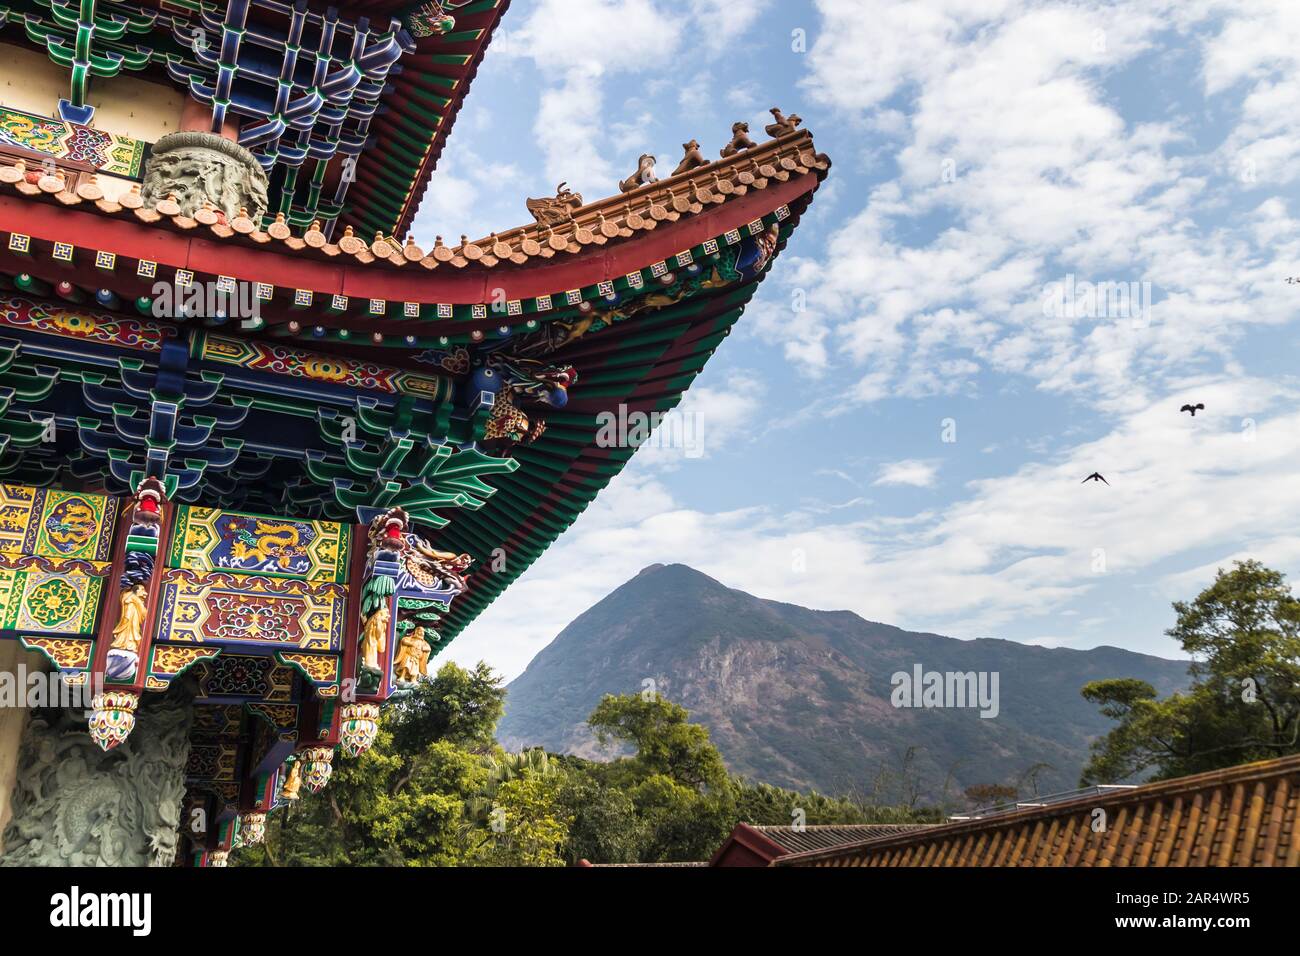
pixel 783 125
pixel 692 158
pixel 739 140
pixel 644 175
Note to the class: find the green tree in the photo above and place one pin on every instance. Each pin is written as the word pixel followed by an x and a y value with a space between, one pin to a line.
pixel 990 794
pixel 666 742
pixel 458 705
pixel 1243 634
pixel 762 804
pixel 403 801
pixel 435 790
pixel 528 824
pixel 502 767
pixel 605 825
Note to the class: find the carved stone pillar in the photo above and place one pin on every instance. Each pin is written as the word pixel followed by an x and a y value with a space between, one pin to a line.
pixel 13 720
pixel 76 805
pixel 195 166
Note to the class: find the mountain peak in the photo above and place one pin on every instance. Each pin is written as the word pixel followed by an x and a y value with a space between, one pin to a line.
pixel 675 569
pixel 802 698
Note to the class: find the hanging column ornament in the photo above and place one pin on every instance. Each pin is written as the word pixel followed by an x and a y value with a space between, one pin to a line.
pixel 252 829
pixel 112 717
pixel 317 765
pixel 113 711
pixel 358 727
pixel 386 541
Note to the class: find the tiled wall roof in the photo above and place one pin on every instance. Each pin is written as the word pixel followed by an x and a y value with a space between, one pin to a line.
pixel 1243 816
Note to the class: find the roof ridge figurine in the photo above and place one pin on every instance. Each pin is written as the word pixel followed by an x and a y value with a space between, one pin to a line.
pixel 784 125
pixel 557 209
pixel 739 140
pixel 644 175
pixel 692 158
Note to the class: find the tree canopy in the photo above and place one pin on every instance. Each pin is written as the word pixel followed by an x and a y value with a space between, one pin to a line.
pixel 1243 635
pixel 436 790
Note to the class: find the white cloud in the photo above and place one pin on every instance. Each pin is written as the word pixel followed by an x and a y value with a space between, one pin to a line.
pixel 910 471
pixel 723 22
pixel 709 418
pixel 581 43
pixel 1009 137
pixel 466 194
pixel 931 287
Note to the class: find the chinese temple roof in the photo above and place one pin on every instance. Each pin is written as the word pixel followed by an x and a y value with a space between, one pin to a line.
pixel 754 845
pixel 287 455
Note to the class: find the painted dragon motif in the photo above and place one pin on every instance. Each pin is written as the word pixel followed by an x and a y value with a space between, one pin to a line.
pixel 74 527
pixel 521 385
pixel 267 541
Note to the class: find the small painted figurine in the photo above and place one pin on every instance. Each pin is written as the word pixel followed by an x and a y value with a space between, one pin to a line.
pixel 412 657
pixel 130 619
pixel 428 569
pixel 557 209
pixel 692 158
pixel 374 638
pixel 293 782
pixel 783 124
pixel 124 653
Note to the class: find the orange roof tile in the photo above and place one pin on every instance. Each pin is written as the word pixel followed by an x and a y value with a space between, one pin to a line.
pixel 595 224
pixel 1242 816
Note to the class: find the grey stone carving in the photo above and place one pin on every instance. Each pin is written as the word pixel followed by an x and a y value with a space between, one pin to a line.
pixel 195 166
pixel 75 805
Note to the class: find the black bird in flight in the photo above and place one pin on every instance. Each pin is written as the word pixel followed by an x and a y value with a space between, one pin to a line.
pixel 1095 476
pixel 1198 407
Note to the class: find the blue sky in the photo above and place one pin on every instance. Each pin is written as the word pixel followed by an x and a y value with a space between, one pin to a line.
pixel 983 151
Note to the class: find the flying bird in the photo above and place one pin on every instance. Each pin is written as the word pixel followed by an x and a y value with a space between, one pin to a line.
pixel 1095 476
pixel 1198 407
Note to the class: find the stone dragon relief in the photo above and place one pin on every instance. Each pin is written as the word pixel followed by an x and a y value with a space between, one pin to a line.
pixel 195 167
pixel 75 805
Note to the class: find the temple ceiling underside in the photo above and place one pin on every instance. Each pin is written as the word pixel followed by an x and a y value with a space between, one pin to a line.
pixel 346 110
